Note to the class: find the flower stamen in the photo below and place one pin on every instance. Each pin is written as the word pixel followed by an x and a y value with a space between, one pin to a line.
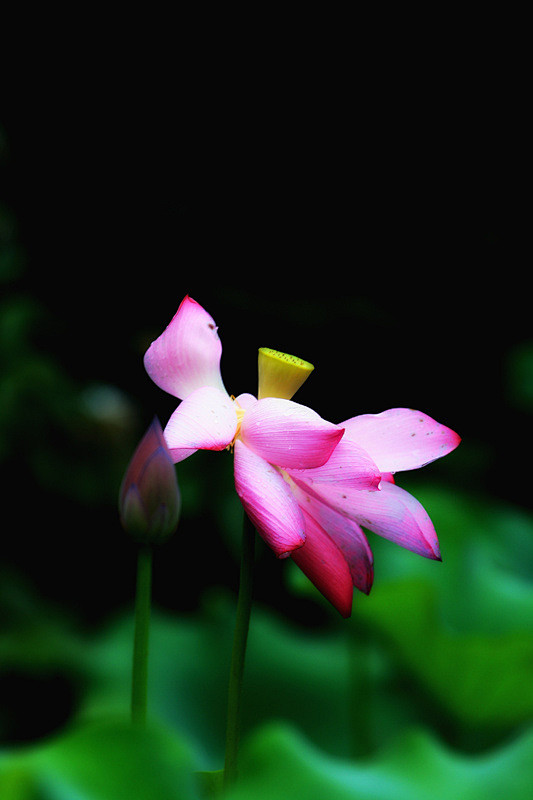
pixel 240 415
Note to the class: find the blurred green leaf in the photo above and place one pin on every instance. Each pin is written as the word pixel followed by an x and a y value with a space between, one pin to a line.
pixel 211 783
pixel 105 760
pixel 17 781
pixel 290 674
pixel 448 645
pixel 481 678
pixel 461 629
pixel 278 763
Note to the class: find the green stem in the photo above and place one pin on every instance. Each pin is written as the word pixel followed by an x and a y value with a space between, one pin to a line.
pixel 139 681
pixel 242 623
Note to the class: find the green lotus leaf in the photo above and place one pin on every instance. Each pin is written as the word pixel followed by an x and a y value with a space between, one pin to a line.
pixel 102 760
pixel 278 763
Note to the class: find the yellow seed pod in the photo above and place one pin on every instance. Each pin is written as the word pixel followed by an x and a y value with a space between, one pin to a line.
pixel 281 375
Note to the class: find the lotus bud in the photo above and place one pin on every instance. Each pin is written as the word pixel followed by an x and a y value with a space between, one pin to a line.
pixel 149 499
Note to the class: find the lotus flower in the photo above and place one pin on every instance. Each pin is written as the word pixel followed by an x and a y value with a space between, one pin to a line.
pixel 307 484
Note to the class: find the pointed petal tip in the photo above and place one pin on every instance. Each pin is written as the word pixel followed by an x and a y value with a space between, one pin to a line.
pixel 186 355
pixel 348 465
pixel 345 612
pixel 326 567
pixel 288 434
pixel 390 512
pixel 293 549
pixel 434 551
pixel 365 586
pixel 401 439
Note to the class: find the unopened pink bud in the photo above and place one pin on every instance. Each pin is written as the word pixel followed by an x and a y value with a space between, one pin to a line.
pixel 149 499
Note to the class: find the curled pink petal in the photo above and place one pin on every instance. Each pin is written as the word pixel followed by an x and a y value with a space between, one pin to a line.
pixel 325 566
pixel 401 438
pixel 187 354
pixel 348 464
pixel 347 535
pixel 390 512
pixel 268 501
pixel 205 420
pixel 288 434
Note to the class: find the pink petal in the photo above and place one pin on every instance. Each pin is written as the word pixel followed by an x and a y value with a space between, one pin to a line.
pixel 324 564
pixel 348 464
pixel 346 534
pixel 288 434
pixel 205 420
pixel 401 438
pixel 268 501
pixel 246 400
pixel 390 512
pixel 187 354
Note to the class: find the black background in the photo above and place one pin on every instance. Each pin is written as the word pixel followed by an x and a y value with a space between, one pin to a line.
pixel 374 227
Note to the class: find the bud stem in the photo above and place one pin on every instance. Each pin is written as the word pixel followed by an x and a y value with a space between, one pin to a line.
pixel 139 681
pixel 242 623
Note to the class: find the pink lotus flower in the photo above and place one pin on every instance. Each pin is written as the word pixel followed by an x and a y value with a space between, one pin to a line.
pixel 307 484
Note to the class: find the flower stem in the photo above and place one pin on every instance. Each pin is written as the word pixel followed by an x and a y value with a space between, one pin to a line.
pixel 242 623
pixel 139 681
